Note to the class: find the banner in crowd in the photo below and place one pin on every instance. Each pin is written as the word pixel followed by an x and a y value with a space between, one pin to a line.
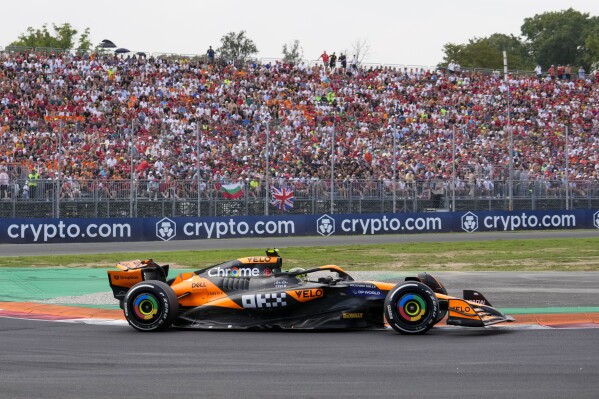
pixel 282 198
pixel 188 228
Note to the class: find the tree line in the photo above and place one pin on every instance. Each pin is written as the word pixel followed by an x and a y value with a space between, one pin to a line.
pixel 566 37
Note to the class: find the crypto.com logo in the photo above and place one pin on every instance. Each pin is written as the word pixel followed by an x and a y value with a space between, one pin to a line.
pixel 166 229
pixel 325 225
pixel 469 222
pixel 596 219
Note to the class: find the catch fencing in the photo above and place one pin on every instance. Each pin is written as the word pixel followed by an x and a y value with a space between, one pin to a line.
pixel 102 198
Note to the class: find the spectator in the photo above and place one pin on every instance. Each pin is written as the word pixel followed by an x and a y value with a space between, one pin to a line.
pixel 551 72
pixel 325 58
pixel 210 54
pixel 33 178
pixel 333 60
pixel 561 72
pixel 343 61
pixel 4 184
pixel 167 98
pixel 451 67
pixel 539 71
pixel 153 186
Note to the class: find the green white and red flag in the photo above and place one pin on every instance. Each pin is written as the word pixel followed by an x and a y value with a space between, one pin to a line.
pixel 232 191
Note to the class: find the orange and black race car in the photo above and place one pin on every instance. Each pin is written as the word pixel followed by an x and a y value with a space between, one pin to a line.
pixel 255 293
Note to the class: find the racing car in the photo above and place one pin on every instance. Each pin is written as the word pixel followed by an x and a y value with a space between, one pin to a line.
pixel 255 293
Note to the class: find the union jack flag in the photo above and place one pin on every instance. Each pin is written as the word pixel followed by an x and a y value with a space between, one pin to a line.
pixel 282 198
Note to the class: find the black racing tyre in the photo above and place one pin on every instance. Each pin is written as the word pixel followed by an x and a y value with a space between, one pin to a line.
pixel 411 308
pixel 150 306
pixel 437 287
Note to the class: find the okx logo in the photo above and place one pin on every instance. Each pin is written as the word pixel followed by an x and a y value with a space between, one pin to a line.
pixel 469 222
pixel 325 225
pixel 166 229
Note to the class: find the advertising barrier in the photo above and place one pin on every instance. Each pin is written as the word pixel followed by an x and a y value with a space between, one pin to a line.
pixel 194 228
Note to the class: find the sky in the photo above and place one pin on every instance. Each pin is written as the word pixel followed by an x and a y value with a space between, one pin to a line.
pixel 397 32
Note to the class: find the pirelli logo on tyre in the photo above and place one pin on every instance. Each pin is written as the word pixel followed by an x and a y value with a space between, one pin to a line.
pixel 596 219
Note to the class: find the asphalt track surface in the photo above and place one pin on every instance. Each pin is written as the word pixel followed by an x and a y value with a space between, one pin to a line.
pixel 58 360
pixel 41 359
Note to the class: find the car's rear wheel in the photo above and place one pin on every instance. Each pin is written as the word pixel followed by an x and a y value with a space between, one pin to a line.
pixel 411 308
pixel 150 306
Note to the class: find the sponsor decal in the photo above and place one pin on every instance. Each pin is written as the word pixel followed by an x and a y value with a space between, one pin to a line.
pixel 479 301
pixel 469 222
pixel 50 232
pixel 363 285
pixel 259 259
pixel 325 225
pixel 352 315
pixel 199 284
pixel 461 309
pixel 117 277
pixel 281 284
pixel 367 292
pixel 307 294
pixel 234 272
pixel 264 301
pixel 267 272
pixel 596 219
pixel 166 229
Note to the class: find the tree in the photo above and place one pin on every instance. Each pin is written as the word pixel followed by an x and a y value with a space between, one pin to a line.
pixel 84 43
pixel 236 46
pixel 293 53
pixel 487 52
pixel 590 50
pixel 361 48
pixel 63 38
pixel 561 37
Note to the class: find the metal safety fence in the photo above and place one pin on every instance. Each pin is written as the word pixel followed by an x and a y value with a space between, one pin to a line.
pixel 187 198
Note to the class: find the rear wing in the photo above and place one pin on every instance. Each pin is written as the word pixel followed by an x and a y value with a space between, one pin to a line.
pixel 132 272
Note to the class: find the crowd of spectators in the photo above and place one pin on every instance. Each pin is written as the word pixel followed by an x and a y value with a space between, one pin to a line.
pixel 97 103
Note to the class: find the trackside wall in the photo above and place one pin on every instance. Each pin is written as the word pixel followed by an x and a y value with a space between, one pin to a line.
pixel 192 228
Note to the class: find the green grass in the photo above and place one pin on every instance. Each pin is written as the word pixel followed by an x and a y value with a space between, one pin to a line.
pixel 575 254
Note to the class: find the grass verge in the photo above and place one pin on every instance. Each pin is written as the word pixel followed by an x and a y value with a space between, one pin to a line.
pixel 569 254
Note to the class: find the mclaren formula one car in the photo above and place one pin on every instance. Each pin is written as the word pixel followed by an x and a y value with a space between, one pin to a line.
pixel 255 293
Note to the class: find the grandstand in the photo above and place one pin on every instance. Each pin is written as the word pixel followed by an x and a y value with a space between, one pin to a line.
pixel 95 135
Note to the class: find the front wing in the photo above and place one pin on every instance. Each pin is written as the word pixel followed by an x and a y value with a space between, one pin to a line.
pixel 470 314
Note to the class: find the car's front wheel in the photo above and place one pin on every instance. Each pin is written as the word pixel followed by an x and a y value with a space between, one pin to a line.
pixel 411 308
pixel 150 306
